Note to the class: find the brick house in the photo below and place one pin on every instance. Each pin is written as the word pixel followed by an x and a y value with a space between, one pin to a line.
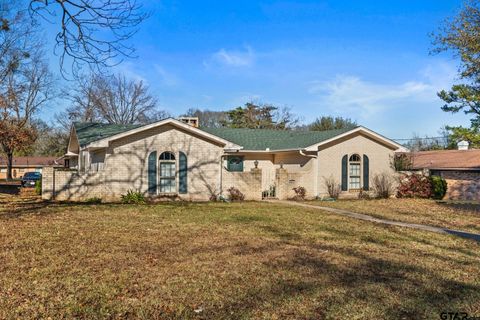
pixel 172 158
pixel 22 165
pixel 460 168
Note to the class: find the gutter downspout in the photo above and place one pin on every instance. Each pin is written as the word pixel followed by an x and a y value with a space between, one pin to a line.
pixel 307 155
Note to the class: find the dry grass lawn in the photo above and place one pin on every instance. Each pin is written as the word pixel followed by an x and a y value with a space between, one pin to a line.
pixel 225 261
pixel 461 216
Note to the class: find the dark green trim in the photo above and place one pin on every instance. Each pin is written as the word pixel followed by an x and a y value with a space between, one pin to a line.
pixel 345 173
pixel 152 173
pixel 366 173
pixel 182 173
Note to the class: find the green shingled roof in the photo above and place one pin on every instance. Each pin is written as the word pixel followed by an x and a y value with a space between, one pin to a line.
pixel 88 132
pixel 249 139
pixel 261 139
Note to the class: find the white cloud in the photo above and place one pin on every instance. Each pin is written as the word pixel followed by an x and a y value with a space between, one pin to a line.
pixel 347 94
pixel 223 57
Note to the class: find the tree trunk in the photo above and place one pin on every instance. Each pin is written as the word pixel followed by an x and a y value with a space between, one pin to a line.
pixel 9 166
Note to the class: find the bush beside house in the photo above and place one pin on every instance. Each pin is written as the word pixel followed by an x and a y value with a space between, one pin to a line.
pixel 416 185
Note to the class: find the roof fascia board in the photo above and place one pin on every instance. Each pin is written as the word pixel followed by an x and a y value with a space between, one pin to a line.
pixel 103 143
pixel 264 151
pixel 369 132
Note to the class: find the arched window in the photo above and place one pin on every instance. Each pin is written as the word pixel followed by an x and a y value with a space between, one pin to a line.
pixel 167 173
pixel 354 172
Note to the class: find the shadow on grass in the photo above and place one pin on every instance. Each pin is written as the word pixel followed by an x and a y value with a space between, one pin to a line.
pixel 369 281
pixel 461 205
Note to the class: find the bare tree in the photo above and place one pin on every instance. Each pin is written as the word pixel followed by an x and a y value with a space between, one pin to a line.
pixel 25 82
pixel 93 33
pixel 207 118
pixel 111 99
pixel 22 93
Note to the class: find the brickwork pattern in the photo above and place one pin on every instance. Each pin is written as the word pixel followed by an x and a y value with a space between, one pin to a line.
pixel 462 185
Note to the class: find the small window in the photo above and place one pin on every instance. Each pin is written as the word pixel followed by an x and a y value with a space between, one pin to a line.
pixel 354 158
pixel 167 156
pixel 235 164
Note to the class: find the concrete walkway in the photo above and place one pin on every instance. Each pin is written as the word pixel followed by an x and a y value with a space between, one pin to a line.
pixel 365 217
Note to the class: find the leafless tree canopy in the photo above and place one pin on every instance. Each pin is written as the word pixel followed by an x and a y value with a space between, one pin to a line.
pixel 111 99
pixel 92 32
pixel 25 81
pixel 208 118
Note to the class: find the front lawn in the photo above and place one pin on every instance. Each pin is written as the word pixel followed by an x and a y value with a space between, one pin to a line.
pixel 461 216
pixel 230 261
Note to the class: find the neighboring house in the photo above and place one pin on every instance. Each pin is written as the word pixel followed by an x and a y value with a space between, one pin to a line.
pixel 22 165
pixel 171 158
pixel 460 168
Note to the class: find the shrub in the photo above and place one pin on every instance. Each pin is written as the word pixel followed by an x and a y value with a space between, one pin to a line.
pixel 333 187
pixel 383 185
pixel 439 187
pixel 235 195
pixel 414 186
pixel 93 200
pixel 133 197
pixel 300 193
pixel 364 195
pixel 38 187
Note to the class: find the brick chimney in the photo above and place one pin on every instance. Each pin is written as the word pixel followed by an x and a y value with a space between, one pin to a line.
pixel 193 121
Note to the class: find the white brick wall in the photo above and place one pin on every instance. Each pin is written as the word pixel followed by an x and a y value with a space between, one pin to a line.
pixel 330 159
pixel 126 164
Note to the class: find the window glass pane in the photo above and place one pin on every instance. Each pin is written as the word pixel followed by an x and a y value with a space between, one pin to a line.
pixel 354 157
pixel 235 163
pixel 167 156
pixel 354 169
pixel 167 169
pixel 167 185
pixel 354 182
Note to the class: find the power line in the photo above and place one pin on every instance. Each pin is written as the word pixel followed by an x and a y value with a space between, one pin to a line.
pixel 426 138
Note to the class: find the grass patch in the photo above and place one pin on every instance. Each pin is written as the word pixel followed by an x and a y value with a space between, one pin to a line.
pixel 452 215
pixel 225 261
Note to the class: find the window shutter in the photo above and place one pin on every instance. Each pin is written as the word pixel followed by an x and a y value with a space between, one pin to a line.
pixel 345 173
pixel 152 173
pixel 366 168
pixel 182 173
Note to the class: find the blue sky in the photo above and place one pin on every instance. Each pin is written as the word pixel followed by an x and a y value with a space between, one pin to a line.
pixel 367 60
